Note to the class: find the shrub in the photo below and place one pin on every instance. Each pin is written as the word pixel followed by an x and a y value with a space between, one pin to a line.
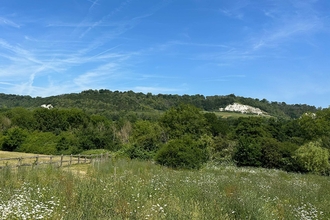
pixel 288 163
pixel 271 155
pixel 182 153
pixel 135 151
pixel 313 158
pixel 40 143
pixel 221 150
pixel 13 139
pixel 248 153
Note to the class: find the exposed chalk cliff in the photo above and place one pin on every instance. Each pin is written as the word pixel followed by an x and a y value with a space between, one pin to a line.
pixel 246 109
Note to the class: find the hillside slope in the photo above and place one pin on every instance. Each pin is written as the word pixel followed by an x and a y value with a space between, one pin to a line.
pixel 98 101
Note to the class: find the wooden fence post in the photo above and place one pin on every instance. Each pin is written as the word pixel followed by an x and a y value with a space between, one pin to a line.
pixel 50 160
pixel 61 160
pixel 36 162
pixel 70 159
pixel 78 158
pixel 20 161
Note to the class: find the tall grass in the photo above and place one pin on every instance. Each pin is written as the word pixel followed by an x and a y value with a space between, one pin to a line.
pixel 128 189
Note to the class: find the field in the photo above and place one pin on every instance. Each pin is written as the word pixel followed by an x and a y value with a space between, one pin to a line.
pixel 129 189
pixel 14 159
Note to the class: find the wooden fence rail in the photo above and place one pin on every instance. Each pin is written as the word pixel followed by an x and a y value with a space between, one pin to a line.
pixel 57 160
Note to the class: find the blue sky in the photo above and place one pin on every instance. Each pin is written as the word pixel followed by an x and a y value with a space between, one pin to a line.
pixel 273 49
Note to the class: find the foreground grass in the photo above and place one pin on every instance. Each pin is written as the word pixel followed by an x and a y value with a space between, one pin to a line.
pixel 126 189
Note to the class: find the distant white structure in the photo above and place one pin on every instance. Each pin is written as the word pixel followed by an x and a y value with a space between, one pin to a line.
pixel 236 107
pixel 309 114
pixel 49 106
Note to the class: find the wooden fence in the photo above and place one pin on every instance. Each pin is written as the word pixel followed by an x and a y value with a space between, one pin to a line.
pixel 56 160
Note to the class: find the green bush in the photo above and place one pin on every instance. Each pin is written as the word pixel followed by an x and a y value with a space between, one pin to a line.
pixel 40 143
pixel 271 155
pixel 182 153
pixel 13 139
pixel 135 151
pixel 67 143
pixel 221 150
pixel 248 153
pixel 288 163
pixel 313 158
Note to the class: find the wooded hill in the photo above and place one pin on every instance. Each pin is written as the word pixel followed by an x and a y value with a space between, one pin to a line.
pixel 107 102
pixel 175 131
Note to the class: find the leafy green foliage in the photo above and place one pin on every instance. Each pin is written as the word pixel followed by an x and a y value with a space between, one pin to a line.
pixel 13 139
pixel 271 154
pixel 101 101
pixel 176 130
pixel 221 150
pixel 184 120
pixel 148 135
pixel 146 139
pixel 313 158
pixel 40 143
pixel 217 125
pixel 248 153
pixel 182 153
pixel 22 118
pixel 252 127
pixel 67 143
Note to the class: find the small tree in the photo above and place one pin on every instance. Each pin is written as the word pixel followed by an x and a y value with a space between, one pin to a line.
pixel 14 138
pixel 271 155
pixel 248 153
pixel 182 120
pixel 182 153
pixel 313 158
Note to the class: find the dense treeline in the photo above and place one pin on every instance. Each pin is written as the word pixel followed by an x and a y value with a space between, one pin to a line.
pixel 109 103
pixel 182 136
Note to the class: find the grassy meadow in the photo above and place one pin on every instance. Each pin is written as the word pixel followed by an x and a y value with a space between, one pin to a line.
pixel 130 189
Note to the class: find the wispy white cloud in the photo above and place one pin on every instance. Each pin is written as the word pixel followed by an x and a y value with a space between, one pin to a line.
pixel 286 30
pixel 235 9
pixel 96 75
pixel 95 2
pixel 7 22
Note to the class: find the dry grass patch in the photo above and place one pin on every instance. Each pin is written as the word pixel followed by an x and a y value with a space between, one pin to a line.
pixel 21 159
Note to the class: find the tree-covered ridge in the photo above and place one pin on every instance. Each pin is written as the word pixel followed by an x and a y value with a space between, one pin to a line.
pixel 102 101
pixel 182 136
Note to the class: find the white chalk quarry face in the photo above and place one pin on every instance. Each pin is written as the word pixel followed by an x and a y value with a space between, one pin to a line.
pixel 236 107
pixel 49 106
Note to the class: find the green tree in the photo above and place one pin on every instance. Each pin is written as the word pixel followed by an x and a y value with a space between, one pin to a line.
pixel 5 123
pixel 248 152
pixel 22 118
pixel 313 158
pixel 13 139
pixel 148 135
pixel 271 155
pixel 182 152
pixel 217 126
pixel 287 150
pixel 52 120
pixel 221 150
pixel 146 139
pixel 252 127
pixel 40 143
pixel 68 143
pixel 182 120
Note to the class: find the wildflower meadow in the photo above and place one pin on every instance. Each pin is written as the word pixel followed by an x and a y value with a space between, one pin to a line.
pixel 132 189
